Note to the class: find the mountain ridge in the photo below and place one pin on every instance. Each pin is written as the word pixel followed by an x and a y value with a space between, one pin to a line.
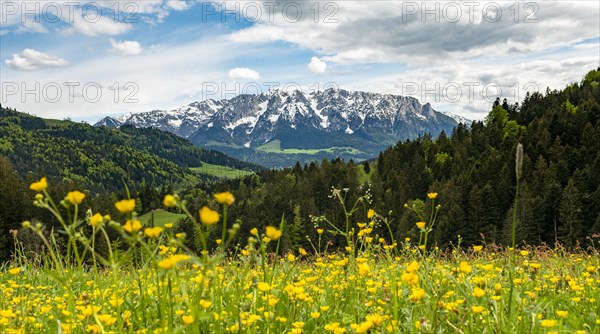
pixel 368 122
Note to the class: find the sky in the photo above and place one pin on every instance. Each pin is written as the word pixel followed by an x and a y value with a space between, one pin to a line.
pixel 86 60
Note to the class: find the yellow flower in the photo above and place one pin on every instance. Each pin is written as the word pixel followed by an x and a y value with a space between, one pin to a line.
pixel 477 292
pixel 464 267
pixel 132 226
pixel 172 261
pixel 417 294
pixel 75 197
pixel 302 251
pixel 320 231
pixel 548 323
pixel 524 253
pixel 432 195
pixel 477 248
pixel 363 269
pixel 254 231
pixel 477 309
pixel 169 225
pixel 371 213
pixel 272 233
pixel 187 319
pixel 562 314
pixel 208 216
pixel 39 186
pixel 14 271
pixel 375 319
pixel 263 287
pixel 169 201
pixel 96 220
pixel 315 315
pixel 225 198
pixel 107 319
pixel 153 232
pixel 205 303
pixel 421 225
pixel 125 206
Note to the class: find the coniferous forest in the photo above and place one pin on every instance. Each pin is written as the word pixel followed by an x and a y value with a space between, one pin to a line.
pixel 472 169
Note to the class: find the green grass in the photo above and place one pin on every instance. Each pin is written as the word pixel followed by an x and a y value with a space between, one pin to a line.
pixel 275 147
pixel 220 171
pixel 149 282
pixel 161 217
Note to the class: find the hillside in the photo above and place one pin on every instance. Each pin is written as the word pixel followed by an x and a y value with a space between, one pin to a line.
pixel 472 169
pixel 102 158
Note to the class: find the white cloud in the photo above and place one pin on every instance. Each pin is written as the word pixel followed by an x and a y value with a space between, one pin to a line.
pixel 97 26
pixel 360 32
pixel 32 27
pixel 125 48
pixel 30 60
pixel 317 66
pixel 243 73
pixel 177 4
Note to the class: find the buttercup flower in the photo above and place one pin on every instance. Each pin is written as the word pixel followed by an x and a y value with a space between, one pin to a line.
pixel 272 233
pixel 39 186
pixel 132 226
pixel 169 201
pixel 225 198
pixel 75 197
pixel 96 220
pixel 208 216
pixel 125 206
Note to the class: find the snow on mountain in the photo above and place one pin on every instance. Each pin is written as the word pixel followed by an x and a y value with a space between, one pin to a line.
pixel 315 118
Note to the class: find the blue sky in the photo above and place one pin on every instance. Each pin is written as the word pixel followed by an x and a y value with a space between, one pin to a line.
pixel 88 62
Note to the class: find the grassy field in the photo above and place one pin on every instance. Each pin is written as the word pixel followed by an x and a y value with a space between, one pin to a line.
pixel 161 217
pixel 275 147
pixel 220 171
pixel 148 282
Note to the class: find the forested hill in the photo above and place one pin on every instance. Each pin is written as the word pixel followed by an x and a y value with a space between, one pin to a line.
pixel 473 170
pixel 101 158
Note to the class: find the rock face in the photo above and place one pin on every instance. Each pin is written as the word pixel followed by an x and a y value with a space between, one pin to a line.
pixel 366 122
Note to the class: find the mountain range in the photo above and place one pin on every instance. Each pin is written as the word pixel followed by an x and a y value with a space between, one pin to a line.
pixel 276 128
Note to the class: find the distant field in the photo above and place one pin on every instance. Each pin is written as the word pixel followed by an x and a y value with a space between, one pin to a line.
pixel 220 171
pixel 275 147
pixel 161 217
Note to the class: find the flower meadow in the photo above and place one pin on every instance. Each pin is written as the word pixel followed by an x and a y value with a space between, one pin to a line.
pixel 149 282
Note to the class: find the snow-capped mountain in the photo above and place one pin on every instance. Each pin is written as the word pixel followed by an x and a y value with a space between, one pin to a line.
pixel 367 122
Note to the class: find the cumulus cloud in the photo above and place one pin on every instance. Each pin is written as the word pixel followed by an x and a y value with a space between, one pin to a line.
pixel 97 26
pixel 30 60
pixel 177 4
pixel 395 32
pixel 243 73
pixel 316 65
pixel 125 48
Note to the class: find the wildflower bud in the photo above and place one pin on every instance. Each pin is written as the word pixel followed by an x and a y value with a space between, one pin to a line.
pixel 236 226
pixel 406 205
pixel 251 240
pixel 27 224
pixel 519 161
pixel 38 227
pixel 107 218
pixel 114 225
pixel 39 197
